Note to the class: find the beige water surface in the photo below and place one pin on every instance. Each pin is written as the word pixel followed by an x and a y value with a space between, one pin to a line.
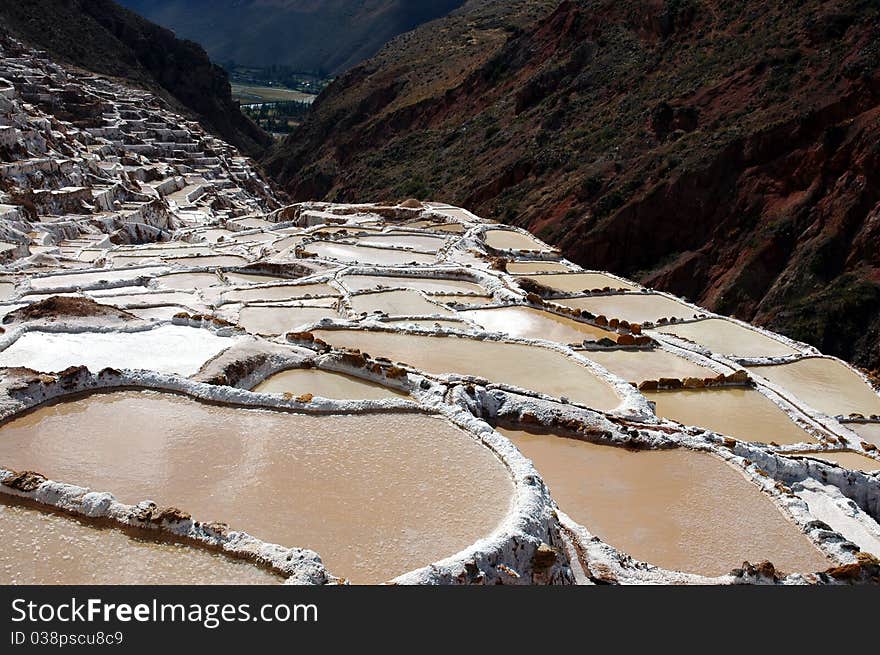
pixel 825 384
pixel 728 338
pixel 529 367
pixel 376 495
pixel 531 323
pixel 677 509
pixel 325 384
pixel 734 411
pixel 42 547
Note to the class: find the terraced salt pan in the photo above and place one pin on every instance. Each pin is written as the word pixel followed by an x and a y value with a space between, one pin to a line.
pixel 520 268
pixel 847 459
pixel 215 235
pixel 824 384
pixel 396 303
pixel 531 323
pixel 431 285
pixel 870 432
pixel 347 229
pixel 729 338
pixel 210 260
pixel 7 290
pixel 742 413
pixel 145 299
pixel 510 240
pixel 677 509
pixel 279 292
pixel 463 300
pixel 366 255
pixel 632 307
pixel 252 278
pixel 416 241
pixel 325 384
pixel 74 280
pixel 256 237
pixel 579 282
pixel 160 313
pixel 253 223
pixel 453 228
pixel 640 365
pixel 458 214
pixel 287 243
pixel 174 249
pixel 431 324
pixel 54 549
pixel 165 349
pixel 528 367
pixel 375 495
pixel 278 320
pixel 189 281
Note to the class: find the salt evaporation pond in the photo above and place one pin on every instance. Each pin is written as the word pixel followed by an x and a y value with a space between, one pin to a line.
pixel 640 365
pixel 430 324
pixel 431 285
pixel 375 495
pixel 631 307
pixel 677 509
pixel 520 268
pixel 214 235
pixel 280 292
pixel 268 320
pixel 824 384
pixel 531 323
pixel 528 367
pixel 325 384
pixel 510 240
pixel 7 290
pixel 396 303
pixel 734 411
pixel 416 241
pixel 209 260
pixel 579 282
pixel 729 338
pixel 53 549
pixel 455 228
pixel 74 280
pixel 166 349
pixel 462 300
pixel 366 255
pixel 145 299
pixel 189 280
pixel 870 432
pixel 846 458
pixel 160 313
pixel 251 278
pixel 255 237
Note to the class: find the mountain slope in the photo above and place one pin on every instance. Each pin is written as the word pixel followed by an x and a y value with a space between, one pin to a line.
pixel 324 36
pixel 103 37
pixel 727 152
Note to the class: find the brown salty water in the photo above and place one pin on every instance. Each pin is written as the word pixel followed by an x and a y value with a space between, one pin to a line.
pixel 376 495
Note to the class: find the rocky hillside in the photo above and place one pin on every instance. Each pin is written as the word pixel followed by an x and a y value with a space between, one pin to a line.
pixel 324 36
pixel 725 151
pixel 101 36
